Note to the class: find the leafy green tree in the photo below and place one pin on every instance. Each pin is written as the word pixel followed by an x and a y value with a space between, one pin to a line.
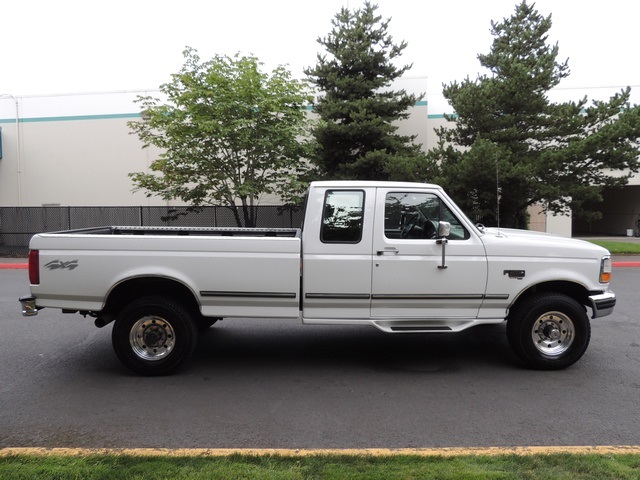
pixel 228 134
pixel 510 143
pixel 356 135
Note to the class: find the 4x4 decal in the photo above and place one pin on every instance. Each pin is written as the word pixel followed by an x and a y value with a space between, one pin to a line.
pixel 60 265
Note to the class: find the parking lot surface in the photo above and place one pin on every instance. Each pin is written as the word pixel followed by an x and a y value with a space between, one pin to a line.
pixel 278 384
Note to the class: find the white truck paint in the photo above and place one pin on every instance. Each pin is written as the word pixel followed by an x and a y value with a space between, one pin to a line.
pixel 398 256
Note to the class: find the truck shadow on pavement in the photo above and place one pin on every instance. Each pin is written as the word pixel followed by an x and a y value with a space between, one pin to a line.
pixel 351 347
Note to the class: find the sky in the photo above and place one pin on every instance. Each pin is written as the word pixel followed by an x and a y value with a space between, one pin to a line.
pixel 80 46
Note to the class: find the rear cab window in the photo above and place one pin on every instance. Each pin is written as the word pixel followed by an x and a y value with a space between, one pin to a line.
pixel 342 216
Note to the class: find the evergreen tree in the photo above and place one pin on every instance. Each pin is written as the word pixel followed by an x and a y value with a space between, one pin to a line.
pixel 356 135
pixel 510 143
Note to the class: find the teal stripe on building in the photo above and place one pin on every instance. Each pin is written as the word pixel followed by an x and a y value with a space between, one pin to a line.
pixel 71 118
pixel 112 116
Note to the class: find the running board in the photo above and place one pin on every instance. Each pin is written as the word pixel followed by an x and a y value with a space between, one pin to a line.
pixel 420 329
pixel 408 325
pixel 430 325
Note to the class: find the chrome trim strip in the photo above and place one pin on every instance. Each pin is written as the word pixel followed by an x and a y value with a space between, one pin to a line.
pixel 339 296
pixel 382 296
pixel 248 294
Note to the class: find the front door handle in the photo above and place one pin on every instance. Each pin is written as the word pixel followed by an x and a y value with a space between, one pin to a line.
pixel 387 251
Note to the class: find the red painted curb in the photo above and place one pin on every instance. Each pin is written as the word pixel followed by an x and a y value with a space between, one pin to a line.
pixel 626 264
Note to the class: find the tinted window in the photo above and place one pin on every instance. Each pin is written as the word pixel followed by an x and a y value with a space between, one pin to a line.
pixel 342 216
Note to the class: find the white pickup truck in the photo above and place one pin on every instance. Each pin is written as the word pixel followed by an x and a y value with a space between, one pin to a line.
pixel 401 257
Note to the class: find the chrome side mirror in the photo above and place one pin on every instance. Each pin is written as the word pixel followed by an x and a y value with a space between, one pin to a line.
pixel 444 229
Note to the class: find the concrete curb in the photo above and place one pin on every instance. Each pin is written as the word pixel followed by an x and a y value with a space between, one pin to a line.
pixel 374 452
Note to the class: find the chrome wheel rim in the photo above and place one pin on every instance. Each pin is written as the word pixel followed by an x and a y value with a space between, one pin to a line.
pixel 553 333
pixel 152 338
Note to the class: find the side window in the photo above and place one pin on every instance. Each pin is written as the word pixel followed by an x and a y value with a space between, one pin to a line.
pixel 342 216
pixel 412 215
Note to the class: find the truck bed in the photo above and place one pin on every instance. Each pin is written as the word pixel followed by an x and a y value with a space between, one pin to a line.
pixel 219 265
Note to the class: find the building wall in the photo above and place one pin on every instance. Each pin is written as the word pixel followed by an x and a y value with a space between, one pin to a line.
pixel 58 154
pixel 77 150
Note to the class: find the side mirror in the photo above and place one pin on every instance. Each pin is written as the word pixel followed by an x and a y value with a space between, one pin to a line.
pixel 444 229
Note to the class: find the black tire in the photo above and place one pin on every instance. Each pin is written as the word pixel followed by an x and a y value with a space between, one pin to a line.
pixel 549 331
pixel 154 336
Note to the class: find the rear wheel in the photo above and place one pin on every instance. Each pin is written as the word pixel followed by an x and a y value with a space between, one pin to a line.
pixel 154 336
pixel 549 331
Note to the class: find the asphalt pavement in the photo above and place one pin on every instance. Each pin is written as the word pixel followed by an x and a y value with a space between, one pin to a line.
pixel 269 383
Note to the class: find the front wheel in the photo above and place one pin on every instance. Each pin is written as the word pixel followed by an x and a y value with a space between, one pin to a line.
pixel 549 331
pixel 154 336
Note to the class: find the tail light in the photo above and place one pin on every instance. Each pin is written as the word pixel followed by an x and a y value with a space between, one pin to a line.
pixel 34 267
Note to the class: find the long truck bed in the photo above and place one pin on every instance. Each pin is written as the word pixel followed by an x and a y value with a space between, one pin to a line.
pixel 80 268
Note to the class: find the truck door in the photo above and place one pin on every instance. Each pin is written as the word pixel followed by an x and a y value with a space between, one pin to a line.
pixel 337 238
pixel 409 279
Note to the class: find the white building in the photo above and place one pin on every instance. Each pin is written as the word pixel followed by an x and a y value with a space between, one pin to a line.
pixel 77 150
pixel 71 150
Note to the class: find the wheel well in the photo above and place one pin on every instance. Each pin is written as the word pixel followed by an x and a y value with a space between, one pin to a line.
pixel 129 290
pixel 573 290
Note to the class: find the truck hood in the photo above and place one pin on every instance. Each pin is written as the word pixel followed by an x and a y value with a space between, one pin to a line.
pixel 513 242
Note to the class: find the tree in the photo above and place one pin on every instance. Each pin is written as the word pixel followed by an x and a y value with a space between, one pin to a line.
pixel 228 133
pixel 510 147
pixel 356 137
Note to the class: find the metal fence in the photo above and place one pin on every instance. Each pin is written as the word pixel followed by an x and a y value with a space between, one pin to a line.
pixel 19 224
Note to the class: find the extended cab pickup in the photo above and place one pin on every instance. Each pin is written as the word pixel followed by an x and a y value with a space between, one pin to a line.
pixel 398 256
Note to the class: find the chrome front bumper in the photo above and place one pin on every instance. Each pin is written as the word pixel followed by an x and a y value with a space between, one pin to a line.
pixel 602 304
pixel 29 308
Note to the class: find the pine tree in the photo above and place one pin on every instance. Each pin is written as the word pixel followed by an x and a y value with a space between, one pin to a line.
pixel 511 147
pixel 356 135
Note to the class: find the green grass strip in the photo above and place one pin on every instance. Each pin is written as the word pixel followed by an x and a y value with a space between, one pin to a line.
pixel 619 248
pixel 321 466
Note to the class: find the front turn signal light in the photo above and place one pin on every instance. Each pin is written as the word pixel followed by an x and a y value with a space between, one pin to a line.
pixel 605 270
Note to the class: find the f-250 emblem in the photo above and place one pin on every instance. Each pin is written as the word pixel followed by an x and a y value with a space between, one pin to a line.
pixel 60 265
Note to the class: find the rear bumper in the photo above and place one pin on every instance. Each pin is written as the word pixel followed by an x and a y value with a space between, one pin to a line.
pixel 602 304
pixel 29 308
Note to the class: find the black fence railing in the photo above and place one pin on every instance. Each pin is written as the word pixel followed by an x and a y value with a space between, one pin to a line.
pixel 19 224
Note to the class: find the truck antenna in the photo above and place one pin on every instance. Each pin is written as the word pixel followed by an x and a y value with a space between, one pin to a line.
pixel 498 195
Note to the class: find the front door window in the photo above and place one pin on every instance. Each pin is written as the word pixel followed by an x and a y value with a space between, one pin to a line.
pixel 414 215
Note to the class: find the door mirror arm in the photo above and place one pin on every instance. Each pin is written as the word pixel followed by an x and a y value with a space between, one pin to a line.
pixel 444 230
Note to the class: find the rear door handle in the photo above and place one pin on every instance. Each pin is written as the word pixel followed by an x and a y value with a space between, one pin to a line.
pixel 387 251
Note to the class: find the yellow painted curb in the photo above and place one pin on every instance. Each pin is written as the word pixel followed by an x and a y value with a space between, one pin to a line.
pixel 376 452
